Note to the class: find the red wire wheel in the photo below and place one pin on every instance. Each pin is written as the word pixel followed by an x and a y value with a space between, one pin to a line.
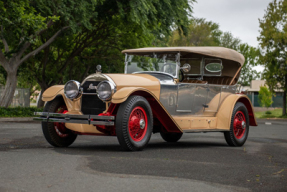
pixel 56 133
pixel 138 124
pixel 134 123
pixel 60 127
pixel 239 125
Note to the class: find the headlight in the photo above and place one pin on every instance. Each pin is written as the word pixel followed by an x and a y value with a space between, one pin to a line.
pixel 105 89
pixel 72 89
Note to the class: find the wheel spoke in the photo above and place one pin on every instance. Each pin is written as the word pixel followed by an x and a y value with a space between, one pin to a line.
pixel 137 133
pixel 238 122
pixel 60 127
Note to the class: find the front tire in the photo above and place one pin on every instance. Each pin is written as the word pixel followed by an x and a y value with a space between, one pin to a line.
pixel 56 133
pixel 239 126
pixel 134 123
pixel 170 137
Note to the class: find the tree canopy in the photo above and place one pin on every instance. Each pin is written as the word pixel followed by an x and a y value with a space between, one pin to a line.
pixel 273 41
pixel 265 97
pixel 46 27
pixel 207 33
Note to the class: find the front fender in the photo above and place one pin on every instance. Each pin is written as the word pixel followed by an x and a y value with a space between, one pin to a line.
pixel 158 110
pixel 52 92
pixel 58 90
pixel 224 114
pixel 121 95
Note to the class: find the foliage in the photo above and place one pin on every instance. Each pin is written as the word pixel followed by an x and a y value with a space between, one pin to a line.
pixel 276 113
pixel 200 33
pixel 265 97
pixel 207 33
pixel 251 55
pixel 64 32
pixel 18 111
pixel 273 41
pixel 268 113
pixel 229 41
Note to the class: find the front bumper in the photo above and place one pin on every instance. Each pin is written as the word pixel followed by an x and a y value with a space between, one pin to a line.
pixel 70 118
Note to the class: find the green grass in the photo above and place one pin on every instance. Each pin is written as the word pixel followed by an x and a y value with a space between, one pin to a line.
pixel 276 113
pixel 18 111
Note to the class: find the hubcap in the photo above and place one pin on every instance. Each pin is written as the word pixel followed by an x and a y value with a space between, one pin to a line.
pixel 239 124
pixel 137 124
pixel 243 124
pixel 142 124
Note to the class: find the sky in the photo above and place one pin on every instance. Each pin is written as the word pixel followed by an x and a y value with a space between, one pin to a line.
pixel 240 17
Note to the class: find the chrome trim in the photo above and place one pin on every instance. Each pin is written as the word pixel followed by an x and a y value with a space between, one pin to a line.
pixel 113 89
pixel 156 72
pixel 126 63
pixel 70 118
pixel 208 75
pixel 89 93
pixel 110 80
pixel 177 60
pixel 55 120
pixel 78 84
pixel 184 111
pixel 74 116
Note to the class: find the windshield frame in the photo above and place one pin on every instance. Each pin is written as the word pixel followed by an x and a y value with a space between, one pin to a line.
pixel 177 61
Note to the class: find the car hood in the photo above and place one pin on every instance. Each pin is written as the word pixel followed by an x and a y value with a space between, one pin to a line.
pixel 144 81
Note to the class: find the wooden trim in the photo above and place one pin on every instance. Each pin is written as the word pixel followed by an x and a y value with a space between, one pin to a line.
pixel 235 76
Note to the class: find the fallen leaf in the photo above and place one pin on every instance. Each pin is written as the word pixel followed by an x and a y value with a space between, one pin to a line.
pixel 278 172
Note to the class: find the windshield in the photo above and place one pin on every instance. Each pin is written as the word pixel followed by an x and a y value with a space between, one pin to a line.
pixel 152 62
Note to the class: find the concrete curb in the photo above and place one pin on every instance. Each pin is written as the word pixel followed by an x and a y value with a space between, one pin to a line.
pixel 16 119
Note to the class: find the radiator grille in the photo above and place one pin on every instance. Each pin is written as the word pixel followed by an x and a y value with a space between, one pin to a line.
pixel 91 104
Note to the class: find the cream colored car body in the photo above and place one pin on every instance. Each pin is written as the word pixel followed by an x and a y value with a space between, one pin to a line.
pixel 149 87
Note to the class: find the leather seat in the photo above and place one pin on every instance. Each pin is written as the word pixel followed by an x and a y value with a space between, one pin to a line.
pixel 219 80
pixel 193 81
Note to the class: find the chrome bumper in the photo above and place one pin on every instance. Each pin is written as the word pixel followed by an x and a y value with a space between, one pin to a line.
pixel 80 119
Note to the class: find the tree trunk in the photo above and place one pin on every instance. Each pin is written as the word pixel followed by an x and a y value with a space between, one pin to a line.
pixel 40 102
pixel 8 94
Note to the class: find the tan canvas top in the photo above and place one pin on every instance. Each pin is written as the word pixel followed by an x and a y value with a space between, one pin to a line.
pixel 219 52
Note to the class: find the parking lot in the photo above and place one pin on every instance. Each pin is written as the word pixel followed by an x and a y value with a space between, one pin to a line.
pixel 198 162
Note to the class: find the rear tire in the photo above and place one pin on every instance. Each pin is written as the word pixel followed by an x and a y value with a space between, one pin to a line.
pixel 171 137
pixel 56 133
pixel 134 123
pixel 239 126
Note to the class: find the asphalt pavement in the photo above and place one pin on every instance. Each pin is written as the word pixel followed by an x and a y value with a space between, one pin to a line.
pixel 198 162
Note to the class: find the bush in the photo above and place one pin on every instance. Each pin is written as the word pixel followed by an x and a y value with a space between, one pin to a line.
pixel 19 111
pixel 268 112
pixel 265 97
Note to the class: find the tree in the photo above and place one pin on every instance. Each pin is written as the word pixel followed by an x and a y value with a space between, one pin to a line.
pixel 229 41
pixel 200 33
pixel 22 24
pixel 82 19
pixel 265 97
pixel 251 55
pixel 273 41
pixel 207 33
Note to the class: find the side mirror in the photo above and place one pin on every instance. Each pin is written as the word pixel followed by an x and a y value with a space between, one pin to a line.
pixel 186 67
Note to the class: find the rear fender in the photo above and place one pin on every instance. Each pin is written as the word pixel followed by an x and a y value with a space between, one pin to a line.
pixel 225 111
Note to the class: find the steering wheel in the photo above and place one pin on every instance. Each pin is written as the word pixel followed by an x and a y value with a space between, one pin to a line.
pixel 181 75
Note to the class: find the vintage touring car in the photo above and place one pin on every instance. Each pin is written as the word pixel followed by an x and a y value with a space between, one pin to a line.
pixel 170 90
